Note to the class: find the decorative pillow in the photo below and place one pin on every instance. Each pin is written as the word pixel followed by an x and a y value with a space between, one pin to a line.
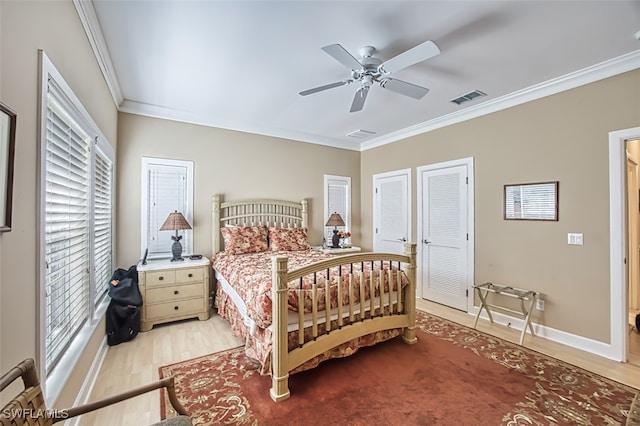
pixel 246 239
pixel 289 239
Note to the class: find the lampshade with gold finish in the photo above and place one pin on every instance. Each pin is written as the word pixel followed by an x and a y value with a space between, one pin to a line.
pixel 175 222
pixel 335 220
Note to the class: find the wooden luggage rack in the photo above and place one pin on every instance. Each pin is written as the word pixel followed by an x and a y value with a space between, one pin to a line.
pixel 527 299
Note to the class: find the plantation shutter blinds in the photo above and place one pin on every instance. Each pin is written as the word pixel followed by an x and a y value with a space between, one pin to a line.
pixel 103 218
pixel 167 193
pixel 66 225
pixel 338 200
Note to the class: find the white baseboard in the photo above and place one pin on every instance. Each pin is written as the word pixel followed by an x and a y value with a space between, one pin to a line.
pixel 90 380
pixel 542 331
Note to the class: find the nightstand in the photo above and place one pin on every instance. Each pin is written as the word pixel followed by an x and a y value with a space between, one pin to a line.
pixel 340 251
pixel 173 291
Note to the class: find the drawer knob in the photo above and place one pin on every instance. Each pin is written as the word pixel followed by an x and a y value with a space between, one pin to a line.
pixel 160 278
pixel 176 308
pixel 176 292
pixel 190 275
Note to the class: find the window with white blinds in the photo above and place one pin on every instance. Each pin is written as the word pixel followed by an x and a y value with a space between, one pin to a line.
pixel 337 199
pixel 102 223
pixel 167 186
pixel 77 219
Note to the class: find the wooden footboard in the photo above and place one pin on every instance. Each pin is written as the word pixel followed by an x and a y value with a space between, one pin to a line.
pixel 382 310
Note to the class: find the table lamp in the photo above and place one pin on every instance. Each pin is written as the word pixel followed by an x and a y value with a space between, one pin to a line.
pixel 175 222
pixel 335 220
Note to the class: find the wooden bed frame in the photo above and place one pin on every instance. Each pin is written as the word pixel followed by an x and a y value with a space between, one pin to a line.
pixel 401 307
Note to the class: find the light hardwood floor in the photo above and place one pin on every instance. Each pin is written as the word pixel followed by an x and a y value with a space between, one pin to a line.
pixel 136 363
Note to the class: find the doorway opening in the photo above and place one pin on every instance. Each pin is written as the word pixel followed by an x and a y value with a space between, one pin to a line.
pixel 619 204
pixel 632 152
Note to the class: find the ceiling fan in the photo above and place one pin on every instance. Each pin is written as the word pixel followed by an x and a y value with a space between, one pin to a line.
pixel 370 69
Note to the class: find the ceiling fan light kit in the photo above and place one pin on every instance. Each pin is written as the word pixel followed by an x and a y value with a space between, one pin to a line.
pixel 370 69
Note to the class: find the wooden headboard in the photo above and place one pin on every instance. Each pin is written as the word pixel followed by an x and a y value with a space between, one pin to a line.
pixel 254 212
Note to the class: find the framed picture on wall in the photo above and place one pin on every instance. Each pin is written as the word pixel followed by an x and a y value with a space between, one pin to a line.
pixel 7 150
pixel 531 201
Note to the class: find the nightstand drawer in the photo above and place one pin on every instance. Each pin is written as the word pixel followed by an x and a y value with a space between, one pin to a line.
pixel 160 278
pixel 177 308
pixel 166 294
pixel 189 275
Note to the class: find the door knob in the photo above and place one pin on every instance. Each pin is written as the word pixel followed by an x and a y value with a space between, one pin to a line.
pixel 426 241
pixel 403 239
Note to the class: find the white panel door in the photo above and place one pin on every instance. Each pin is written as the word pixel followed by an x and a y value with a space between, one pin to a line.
pixel 444 235
pixel 392 211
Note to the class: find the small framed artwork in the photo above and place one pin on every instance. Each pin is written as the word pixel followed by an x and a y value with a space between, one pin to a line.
pixel 7 151
pixel 531 201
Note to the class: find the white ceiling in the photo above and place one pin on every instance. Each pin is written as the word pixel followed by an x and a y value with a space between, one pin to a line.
pixel 240 65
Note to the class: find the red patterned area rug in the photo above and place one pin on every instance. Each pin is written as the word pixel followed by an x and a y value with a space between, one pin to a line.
pixel 454 375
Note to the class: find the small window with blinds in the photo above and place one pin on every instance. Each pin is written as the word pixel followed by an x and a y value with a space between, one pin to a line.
pixel 76 258
pixel 167 186
pixel 337 199
pixel 531 201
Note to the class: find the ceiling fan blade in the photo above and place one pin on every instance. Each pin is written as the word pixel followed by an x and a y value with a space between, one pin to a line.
pixel 359 98
pixel 325 87
pixel 420 53
pixel 341 55
pixel 404 88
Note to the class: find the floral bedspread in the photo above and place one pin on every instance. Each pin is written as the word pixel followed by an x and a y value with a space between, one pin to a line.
pixel 250 275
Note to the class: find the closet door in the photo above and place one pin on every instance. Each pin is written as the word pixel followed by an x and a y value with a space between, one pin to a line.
pixel 392 211
pixel 444 235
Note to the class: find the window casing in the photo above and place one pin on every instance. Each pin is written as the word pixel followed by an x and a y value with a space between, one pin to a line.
pixel 76 222
pixel 337 198
pixel 167 186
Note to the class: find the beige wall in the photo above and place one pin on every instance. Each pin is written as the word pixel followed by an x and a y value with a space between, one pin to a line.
pixel 25 27
pixel 563 137
pixel 235 164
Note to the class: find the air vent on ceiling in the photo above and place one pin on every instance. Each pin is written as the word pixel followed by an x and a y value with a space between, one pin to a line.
pixel 361 134
pixel 468 97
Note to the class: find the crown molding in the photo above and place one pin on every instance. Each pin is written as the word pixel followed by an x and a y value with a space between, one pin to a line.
pixel 89 19
pixel 619 65
pixel 184 116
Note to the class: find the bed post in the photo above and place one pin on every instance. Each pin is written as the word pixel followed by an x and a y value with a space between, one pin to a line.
pixel 409 335
pixel 304 214
pixel 215 223
pixel 280 339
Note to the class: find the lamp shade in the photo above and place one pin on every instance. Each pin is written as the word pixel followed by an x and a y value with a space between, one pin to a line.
pixel 174 222
pixel 335 220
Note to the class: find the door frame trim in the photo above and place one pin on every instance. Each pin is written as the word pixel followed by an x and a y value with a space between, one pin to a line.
pixel 377 176
pixel 469 163
pixel 617 349
pixel 632 191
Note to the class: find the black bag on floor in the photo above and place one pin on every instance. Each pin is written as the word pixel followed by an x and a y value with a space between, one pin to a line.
pixel 123 312
pixel 123 323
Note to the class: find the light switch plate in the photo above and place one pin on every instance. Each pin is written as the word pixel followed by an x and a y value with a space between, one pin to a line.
pixel 574 239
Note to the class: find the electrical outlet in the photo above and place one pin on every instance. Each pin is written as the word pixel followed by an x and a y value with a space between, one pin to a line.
pixel 540 304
